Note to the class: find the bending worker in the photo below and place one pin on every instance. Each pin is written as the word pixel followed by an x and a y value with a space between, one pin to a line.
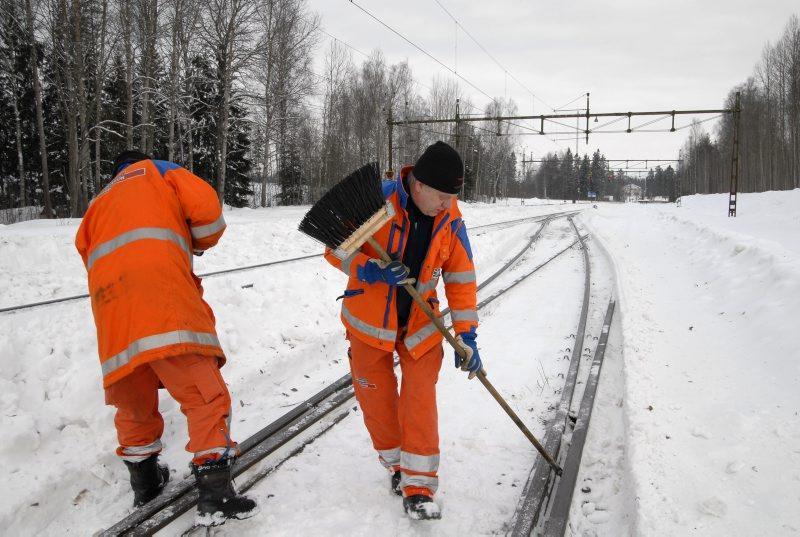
pixel 428 240
pixel 155 330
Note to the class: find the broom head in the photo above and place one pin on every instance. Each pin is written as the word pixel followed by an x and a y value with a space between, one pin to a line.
pixel 350 212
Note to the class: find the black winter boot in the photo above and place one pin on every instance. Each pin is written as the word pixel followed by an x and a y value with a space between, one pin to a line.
pixel 421 507
pixel 148 479
pixel 395 483
pixel 218 500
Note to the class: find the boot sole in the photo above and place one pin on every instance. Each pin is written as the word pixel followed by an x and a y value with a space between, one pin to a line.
pixel 218 518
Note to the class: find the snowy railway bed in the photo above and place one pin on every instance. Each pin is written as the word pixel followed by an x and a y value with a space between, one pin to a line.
pixel 694 423
pixel 303 424
pixel 496 226
pixel 281 351
pixel 544 505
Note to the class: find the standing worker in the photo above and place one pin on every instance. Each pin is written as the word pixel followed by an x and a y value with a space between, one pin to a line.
pixel 155 330
pixel 427 239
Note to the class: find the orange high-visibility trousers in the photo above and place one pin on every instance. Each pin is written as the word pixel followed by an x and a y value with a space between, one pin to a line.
pixel 404 428
pixel 196 383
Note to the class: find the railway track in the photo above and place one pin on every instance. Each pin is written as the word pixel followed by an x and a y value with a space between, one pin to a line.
pixel 544 505
pixel 303 424
pixel 498 225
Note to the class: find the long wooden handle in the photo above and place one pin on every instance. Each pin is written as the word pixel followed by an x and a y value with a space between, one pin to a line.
pixel 437 321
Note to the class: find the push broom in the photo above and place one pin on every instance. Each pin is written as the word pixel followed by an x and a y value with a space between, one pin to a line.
pixel 346 217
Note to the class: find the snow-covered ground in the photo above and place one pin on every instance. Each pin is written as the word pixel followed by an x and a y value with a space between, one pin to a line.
pixel 695 429
pixel 699 424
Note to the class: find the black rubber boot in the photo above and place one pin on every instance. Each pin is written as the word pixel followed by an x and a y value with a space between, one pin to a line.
pixel 148 479
pixel 395 484
pixel 218 500
pixel 421 507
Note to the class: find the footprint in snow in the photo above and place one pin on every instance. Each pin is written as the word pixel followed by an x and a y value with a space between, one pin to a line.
pixel 734 467
pixel 713 506
pixel 701 433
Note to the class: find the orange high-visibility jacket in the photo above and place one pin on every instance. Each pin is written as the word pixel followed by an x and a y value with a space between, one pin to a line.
pixel 369 311
pixel 137 241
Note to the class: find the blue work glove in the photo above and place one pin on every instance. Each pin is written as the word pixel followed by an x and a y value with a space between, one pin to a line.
pixel 472 362
pixel 375 270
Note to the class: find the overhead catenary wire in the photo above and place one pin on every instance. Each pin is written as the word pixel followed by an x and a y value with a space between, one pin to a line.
pixel 346 44
pixel 425 52
pixel 581 96
pixel 501 66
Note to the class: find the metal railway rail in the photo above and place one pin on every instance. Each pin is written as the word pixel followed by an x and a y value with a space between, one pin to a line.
pixel 182 496
pixel 543 509
pixel 507 223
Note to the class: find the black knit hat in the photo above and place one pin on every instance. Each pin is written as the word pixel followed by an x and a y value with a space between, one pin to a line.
pixel 128 156
pixel 440 167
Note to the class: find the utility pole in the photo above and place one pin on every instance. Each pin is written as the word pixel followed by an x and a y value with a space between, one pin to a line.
pixel 390 124
pixel 735 158
pixel 533 161
pixel 458 141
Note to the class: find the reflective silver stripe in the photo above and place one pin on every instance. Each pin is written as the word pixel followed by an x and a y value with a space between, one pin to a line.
pixel 347 261
pixel 201 232
pixel 123 239
pixel 216 450
pixel 374 331
pixel 427 286
pixel 154 342
pixel 135 458
pixel 467 276
pixel 420 335
pixel 464 315
pixel 142 450
pixel 140 453
pixel 419 463
pixel 428 482
pixel 389 457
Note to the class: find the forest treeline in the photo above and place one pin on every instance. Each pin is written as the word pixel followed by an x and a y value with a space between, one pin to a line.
pixel 229 89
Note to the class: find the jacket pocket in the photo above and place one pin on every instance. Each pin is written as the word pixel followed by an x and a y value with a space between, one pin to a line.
pixel 205 376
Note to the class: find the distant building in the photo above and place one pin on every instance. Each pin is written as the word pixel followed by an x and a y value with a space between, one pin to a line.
pixel 631 192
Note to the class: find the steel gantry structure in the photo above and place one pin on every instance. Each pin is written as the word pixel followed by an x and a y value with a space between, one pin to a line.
pixel 587 115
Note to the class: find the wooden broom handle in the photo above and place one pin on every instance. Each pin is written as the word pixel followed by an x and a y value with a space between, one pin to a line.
pixel 437 321
pixel 421 302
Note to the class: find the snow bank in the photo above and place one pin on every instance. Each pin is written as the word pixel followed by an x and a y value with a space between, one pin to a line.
pixel 709 306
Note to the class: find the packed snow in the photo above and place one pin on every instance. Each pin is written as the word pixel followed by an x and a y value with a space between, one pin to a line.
pixel 695 428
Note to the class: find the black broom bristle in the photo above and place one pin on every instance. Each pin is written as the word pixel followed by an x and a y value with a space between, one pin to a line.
pixel 350 203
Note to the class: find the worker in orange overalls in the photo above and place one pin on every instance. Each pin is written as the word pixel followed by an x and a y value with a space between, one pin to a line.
pixel 155 330
pixel 428 240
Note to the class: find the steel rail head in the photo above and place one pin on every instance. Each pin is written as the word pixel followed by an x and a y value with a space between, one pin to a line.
pixel 556 523
pixel 529 509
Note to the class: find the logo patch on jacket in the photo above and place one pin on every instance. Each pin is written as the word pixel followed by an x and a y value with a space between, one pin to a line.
pixel 436 273
pixel 366 384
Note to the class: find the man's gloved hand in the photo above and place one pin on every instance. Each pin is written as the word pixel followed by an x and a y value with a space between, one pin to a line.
pixel 472 362
pixel 392 273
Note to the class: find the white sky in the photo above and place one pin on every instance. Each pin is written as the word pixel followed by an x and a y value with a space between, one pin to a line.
pixel 630 55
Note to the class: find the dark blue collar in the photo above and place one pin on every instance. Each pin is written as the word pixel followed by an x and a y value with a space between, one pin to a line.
pixel 401 192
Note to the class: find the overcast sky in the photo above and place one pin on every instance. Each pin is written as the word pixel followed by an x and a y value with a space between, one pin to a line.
pixel 631 55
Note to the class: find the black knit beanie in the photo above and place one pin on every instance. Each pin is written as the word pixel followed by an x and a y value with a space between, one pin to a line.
pixel 440 167
pixel 128 156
